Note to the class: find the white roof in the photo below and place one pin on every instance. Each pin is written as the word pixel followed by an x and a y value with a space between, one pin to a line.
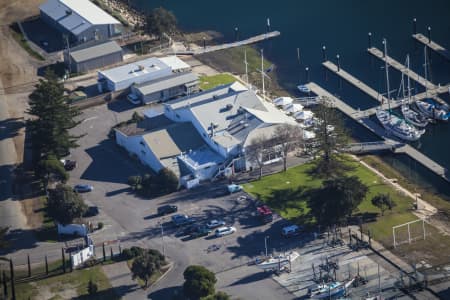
pixel 271 115
pixel 76 15
pixel 133 70
pixel 303 115
pixel 175 63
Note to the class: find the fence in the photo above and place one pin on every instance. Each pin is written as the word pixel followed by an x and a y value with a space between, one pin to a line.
pixel 38 268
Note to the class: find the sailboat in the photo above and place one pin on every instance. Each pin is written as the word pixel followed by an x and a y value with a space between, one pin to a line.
pixel 429 108
pixel 278 262
pixel 330 290
pixel 392 123
pixel 410 115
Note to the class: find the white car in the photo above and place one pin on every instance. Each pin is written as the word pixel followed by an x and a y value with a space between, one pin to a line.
pixel 215 223
pixel 225 231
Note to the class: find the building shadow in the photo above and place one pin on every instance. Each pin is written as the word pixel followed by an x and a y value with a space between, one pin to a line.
pixel 40 33
pixel 252 278
pixel 10 128
pixel 111 293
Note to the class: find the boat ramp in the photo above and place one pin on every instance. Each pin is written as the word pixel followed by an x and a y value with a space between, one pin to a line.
pixel 432 45
pixel 378 130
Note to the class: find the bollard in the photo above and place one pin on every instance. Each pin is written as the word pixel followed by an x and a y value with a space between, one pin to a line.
pixel 46 265
pixel 369 35
pixel 415 26
pixel 29 265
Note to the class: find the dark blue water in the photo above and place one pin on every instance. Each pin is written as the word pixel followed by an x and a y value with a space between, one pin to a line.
pixel 342 26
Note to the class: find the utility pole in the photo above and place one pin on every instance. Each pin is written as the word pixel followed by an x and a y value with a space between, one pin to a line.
pixel 265 243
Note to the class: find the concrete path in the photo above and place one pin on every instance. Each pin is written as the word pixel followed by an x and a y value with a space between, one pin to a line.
pixel 119 276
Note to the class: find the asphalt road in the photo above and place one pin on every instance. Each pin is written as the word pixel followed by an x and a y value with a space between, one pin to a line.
pixel 133 221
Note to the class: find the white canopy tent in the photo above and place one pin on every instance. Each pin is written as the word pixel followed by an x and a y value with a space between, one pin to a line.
pixel 303 115
pixel 293 108
pixel 283 101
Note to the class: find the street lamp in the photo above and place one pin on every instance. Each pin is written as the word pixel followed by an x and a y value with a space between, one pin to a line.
pixel 162 238
pixel 265 243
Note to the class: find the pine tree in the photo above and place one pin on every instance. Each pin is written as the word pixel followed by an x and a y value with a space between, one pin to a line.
pixel 53 118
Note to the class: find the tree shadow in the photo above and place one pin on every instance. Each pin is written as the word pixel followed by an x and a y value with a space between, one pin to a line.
pixel 173 292
pixel 337 166
pixel 110 293
pixel 252 278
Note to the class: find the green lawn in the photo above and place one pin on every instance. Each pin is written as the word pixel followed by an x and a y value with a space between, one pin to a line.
pixel 210 82
pixel 67 286
pixel 287 193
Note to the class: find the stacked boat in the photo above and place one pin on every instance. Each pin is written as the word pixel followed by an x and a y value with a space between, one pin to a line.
pixel 330 290
pixel 277 262
pixel 433 110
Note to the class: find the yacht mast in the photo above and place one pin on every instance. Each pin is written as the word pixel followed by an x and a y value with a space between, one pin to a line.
pixel 409 81
pixel 387 76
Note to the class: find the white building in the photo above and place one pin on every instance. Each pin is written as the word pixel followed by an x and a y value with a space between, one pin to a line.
pixel 81 20
pixel 143 71
pixel 203 133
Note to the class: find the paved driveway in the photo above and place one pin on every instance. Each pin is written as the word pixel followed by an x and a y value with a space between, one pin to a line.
pixel 133 220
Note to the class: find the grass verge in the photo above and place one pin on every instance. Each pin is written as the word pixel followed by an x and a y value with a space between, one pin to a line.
pixel 69 285
pixel 210 82
pixel 18 36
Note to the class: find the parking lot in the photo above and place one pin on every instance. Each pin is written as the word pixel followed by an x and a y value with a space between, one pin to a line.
pixel 134 221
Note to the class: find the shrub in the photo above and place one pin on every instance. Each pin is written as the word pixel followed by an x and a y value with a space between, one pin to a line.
pixel 92 288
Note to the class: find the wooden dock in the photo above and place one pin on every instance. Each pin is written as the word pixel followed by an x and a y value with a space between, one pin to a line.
pixel 252 40
pixel 354 81
pixel 402 68
pixel 432 45
pixel 378 130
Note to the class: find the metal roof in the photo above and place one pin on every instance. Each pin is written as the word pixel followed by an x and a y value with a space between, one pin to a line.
pixel 76 15
pixel 167 82
pixel 171 140
pixel 175 63
pixel 91 51
pixel 134 70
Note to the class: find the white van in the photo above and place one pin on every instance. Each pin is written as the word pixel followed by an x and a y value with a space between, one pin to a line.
pixel 291 230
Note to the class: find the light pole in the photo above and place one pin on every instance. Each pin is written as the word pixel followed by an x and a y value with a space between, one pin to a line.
pixel 265 243
pixel 162 238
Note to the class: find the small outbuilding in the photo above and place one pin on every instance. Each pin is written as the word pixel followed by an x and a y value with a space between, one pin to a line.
pixel 93 55
pixel 166 88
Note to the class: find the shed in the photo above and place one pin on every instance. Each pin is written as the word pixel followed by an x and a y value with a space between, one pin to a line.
pixel 93 55
pixel 165 88
pixel 82 20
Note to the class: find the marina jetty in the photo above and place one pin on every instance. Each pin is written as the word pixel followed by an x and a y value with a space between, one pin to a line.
pixel 432 45
pixel 397 147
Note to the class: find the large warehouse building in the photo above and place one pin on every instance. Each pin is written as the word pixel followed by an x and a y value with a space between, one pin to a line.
pixel 81 20
pixel 91 56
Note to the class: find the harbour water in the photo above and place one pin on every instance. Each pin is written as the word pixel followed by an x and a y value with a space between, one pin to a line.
pixel 342 27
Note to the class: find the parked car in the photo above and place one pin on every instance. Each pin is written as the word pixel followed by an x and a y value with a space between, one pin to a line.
pixel 91 212
pixel 181 220
pixel 215 223
pixel 200 231
pixel 167 209
pixel 83 188
pixel 69 165
pixel 225 231
pixel 234 188
pixel 290 231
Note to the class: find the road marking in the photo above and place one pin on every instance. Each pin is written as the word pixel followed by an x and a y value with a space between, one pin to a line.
pixel 88 119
